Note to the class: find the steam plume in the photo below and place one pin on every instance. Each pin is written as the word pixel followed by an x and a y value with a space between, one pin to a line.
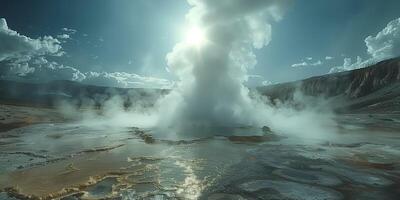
pixel 210 92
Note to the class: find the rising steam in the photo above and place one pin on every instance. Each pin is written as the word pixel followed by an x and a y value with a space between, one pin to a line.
pixel 212 64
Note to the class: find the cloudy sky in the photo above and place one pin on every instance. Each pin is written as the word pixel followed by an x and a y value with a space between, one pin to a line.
pixel 124 43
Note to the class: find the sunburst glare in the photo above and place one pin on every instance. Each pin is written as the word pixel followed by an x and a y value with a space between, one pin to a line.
pixel 195 36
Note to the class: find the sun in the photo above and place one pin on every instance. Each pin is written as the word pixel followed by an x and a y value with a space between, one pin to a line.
pixel 195 36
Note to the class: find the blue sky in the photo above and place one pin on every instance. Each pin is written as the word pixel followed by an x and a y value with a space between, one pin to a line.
pixel 134 37
pixel 314 28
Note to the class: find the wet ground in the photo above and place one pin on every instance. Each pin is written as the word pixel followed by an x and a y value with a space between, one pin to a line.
pixel 76 161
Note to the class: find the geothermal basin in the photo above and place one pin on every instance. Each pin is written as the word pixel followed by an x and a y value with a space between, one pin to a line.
pixel 59 159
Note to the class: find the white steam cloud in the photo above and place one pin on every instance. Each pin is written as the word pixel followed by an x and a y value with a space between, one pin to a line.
pixel 212 64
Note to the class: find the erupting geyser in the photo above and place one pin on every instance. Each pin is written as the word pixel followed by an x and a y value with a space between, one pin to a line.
pixel 212 62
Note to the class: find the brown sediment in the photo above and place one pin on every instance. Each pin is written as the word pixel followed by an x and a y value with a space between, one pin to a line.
pixel 51 181
pixel 184 142
pixel 70 169
pixel 348 190
pixel 370 165
pixel 251 139
pixel 12 117
pixel 144 158
pixel 352 145
pixel 149 139
pixel 70 176
pixel 25 121
pixel 55 136
pixel 31 154
pixel 101 149
pixel 64 192
pixel 4 127
pixel 146 137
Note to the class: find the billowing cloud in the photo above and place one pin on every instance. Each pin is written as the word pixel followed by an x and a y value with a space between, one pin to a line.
pixel 54 71
pixel 19 69
pixel 24 58
pixel 42 70
pixel 39 69
pixel 384 45
pixel 350 65
pixel 14 46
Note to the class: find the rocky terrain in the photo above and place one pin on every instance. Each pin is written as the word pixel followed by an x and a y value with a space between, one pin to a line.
pixel 372 89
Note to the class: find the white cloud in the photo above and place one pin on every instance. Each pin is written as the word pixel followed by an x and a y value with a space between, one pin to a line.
pixel 307 64
pixel 385 45
pixel 23 58
pixel 265 83
pixel 54 71
pixel 21 69
pixel 302 64
pixel 329 58
pixel 309 58
pixel 317 63
pixel 253 80
pixel 349 65
pixel 42 70
pixel 39 69
pixel 63 36
pixel 69 30
pixel 13 45
pixel 125 80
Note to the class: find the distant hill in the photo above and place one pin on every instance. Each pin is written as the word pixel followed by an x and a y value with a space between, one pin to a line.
pixel 372 89
pixel 50 94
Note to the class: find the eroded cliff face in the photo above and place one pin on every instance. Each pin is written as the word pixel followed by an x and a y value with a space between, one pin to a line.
pixel 368 80
pixel 379 82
